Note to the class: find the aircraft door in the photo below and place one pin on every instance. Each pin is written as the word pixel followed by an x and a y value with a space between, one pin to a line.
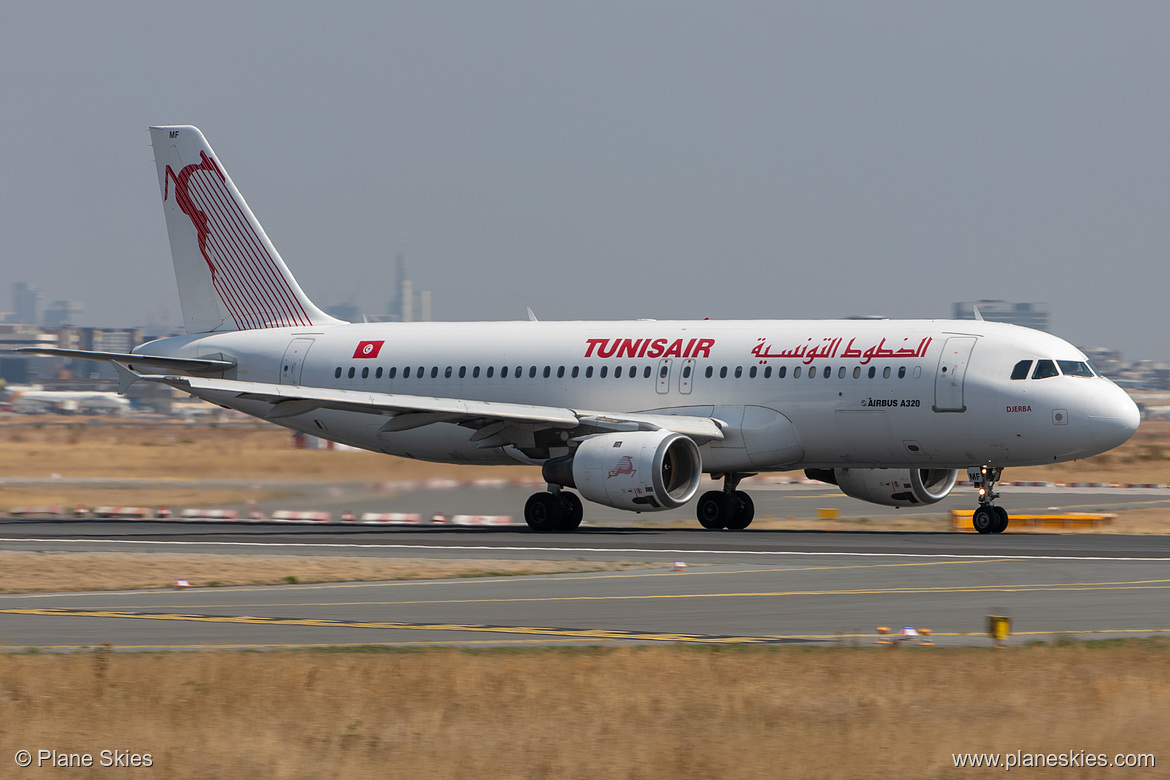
pixel 952 369
pixel 686 377
pixel 664 367
pixel 294 361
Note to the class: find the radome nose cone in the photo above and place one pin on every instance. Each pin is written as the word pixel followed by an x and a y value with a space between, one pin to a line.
pixel 1113 417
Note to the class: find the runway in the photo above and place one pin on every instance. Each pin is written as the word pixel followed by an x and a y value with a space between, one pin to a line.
pixel 753 587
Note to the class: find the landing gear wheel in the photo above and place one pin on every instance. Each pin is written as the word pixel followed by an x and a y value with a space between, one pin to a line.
pixel 543 512
pixel 744 510
pixel 713 509
pixel 1002 519
pixel 985 519
pixel 571 511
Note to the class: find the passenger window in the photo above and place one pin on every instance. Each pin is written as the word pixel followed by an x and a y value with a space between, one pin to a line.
pixel 434 372
pixel 686 372
pixel 378 373
pixel 448 372
pixel 406 373
pixel 857 372
pixel 576 371
pixel 520 370
pixel 841 372
pixel 812 372
pixel 738 371
pixel 646 372
pixel 503 372
pixel 366 372
pixel 710 370
pixel 1044 369
pixel 1073 368
pixel 617 372
pixel 337 373
pixel 752 372
pixel 872 372
pixel 589 372
pixel 901 372
pixel 462 372
pixel 532 372
pixel 351 372
pixel 1021 370
pixel 604 371
pixel 886 372
pixel 783 370
pixel 420 373
pixel 560 372
pixel 491 370
pixel 796 373
pixel 633 372
pixel 828 372
pixel 767 372
pixel 392 372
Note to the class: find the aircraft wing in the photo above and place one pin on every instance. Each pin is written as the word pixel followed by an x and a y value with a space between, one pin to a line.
pixel 190 365
pixel 494 420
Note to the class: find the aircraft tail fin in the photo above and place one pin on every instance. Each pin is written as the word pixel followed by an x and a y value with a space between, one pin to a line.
pixel 230 275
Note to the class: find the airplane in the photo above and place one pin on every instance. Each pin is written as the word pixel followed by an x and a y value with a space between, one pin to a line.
pixel 629 414
pixel 67 401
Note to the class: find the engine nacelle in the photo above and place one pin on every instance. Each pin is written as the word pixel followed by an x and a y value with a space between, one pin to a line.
pixel 642 471
pixel 891 487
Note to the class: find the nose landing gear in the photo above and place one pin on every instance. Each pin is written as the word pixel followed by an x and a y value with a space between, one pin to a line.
pixel 988 518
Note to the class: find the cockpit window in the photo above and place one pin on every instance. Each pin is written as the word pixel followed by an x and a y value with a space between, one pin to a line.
pixel 1045 369
pixel 1021 370
pixel 1074 368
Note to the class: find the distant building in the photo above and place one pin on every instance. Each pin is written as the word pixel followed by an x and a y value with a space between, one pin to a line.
pixel 62 313
pixel 1029 315
pixel 28 304
pixel 347 312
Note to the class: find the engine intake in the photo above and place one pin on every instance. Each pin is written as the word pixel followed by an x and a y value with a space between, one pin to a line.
pixel 890 487
pixel 642 471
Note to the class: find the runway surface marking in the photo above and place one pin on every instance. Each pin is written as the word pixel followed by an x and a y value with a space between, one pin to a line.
pixel 1049 587
pixel 609 550
pixel 791 638
pixel 577 633
pixel 907 590
pixel 465 581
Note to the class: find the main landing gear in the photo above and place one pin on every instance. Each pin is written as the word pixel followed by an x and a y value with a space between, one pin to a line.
pixel 988 518
pixel 727 508
pixel 556 511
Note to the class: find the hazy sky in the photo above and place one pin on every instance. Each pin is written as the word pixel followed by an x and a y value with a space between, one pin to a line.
pixel 611 160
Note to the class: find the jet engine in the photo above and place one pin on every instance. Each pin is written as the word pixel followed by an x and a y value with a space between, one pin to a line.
pixel 642 471
pixel 890 487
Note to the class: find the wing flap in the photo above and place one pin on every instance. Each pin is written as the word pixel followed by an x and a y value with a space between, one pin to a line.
pixel 495 420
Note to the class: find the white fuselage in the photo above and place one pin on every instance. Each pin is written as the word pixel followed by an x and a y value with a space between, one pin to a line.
pixel 790 393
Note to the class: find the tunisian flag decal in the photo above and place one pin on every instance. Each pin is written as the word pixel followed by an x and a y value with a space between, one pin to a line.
pixel 368 349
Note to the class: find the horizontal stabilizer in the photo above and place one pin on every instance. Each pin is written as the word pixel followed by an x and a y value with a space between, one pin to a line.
pixel 136 362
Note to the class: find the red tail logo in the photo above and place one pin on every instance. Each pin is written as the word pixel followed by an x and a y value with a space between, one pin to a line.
pixel 245 275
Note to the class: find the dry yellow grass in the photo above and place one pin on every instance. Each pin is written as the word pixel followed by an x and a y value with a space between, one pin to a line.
pixel 38 572
pixel 655 712
pixel 69 496
pixel 199 451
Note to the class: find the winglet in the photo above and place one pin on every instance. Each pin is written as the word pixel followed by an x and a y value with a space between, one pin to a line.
pixel 975 308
